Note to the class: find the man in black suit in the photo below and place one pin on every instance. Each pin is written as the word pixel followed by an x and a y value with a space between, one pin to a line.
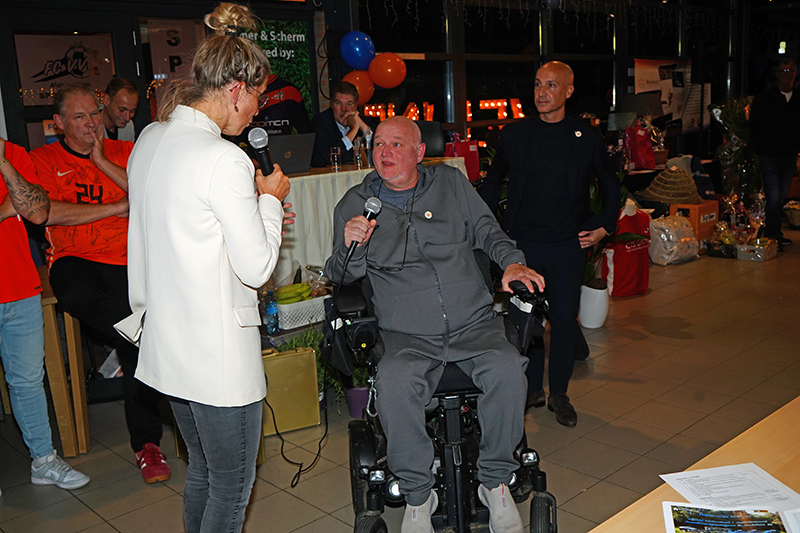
pixel 338 126
pixel 549 161
pixel 775 134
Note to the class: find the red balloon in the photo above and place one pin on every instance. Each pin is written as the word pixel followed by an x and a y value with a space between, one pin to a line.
pixel 387 70
pixel 363 82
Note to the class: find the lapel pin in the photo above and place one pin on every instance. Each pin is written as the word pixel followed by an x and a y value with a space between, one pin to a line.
pixel 428 215
pixel 578 133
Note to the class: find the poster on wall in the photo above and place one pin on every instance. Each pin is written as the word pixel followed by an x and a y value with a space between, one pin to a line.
pixel 48 62
pixel 679 97
pixel 172 44
pixel 289 103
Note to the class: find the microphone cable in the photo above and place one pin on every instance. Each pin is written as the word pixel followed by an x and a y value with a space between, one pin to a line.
pixel 301 468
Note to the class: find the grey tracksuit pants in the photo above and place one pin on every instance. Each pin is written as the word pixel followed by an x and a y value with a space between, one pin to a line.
pixel 408 374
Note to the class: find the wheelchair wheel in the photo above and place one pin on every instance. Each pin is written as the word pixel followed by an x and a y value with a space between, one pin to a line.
pixel 358 433
pixel 540 516
pixel 370 524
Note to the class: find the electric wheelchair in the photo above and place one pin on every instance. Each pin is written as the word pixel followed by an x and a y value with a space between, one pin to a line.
pixel 451 423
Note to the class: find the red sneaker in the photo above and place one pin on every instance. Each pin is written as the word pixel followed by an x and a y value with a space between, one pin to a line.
pixel 152 463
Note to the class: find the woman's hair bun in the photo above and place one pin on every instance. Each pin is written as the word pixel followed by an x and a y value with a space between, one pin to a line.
pixel 231 19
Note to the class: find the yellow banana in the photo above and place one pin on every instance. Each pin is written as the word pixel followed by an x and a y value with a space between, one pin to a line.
pixel 292 290
pixel 290 300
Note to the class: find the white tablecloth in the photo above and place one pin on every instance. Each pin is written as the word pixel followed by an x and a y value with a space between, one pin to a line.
pixel 309 240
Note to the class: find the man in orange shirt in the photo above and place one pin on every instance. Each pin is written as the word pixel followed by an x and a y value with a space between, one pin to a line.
pixel 21 319
pixel 85 177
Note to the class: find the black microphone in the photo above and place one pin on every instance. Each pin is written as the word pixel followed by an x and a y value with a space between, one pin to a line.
pixel 371 209
pixel 259 140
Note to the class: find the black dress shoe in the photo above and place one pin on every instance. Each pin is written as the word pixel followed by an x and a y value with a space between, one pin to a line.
pixel 785 242
pixel 534 399
pixel 565 413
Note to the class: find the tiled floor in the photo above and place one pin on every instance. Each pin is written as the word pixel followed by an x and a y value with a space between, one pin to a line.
pixel 707 352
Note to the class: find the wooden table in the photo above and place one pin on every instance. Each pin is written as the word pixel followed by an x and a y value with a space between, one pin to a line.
pixel 314 194
pixel 771 444
pixel 71 412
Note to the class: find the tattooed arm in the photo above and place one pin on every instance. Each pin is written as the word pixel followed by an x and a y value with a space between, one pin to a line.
pixel 26 199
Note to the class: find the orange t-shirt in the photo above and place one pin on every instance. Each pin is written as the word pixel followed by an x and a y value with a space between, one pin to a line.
pixel 18 276
pixel 71 177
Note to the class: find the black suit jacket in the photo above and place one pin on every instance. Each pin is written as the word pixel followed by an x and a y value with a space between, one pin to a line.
pixel 515 156
pixel 328 135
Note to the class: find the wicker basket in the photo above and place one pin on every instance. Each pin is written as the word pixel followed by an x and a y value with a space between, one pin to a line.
pixel 303 313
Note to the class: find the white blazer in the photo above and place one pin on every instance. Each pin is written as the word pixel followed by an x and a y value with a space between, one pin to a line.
pixel 199 244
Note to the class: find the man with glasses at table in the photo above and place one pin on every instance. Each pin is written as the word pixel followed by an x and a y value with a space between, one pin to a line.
pixel 775 134
pixel 338 126
pixel 434 308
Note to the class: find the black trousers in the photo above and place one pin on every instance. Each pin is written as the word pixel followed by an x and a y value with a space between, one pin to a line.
pixel 561 264
pixel 97 295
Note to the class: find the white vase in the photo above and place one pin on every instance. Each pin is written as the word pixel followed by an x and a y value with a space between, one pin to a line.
pixel 593 308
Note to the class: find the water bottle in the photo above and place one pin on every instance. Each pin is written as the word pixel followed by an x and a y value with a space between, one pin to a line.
pixel 271 314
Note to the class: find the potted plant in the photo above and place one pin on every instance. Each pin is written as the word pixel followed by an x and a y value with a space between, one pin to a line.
pixel 357 394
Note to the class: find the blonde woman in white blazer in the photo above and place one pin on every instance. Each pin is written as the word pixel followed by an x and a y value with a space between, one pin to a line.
pixel 203 236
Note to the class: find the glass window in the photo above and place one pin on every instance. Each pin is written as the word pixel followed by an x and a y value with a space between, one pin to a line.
pixel 500 80
pixel 706 27
pixel 501 31
pixel 400 27
pixel 422 91
pixel 652 31
pixel 593 83
pixel 582 33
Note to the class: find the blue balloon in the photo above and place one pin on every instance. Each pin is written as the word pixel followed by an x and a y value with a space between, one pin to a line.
pixel 357 49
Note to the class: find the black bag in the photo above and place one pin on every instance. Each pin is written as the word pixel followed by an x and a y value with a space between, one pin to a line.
pixel 528 317
pixel 335 349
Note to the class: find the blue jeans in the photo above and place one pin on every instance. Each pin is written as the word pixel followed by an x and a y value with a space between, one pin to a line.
pixel 776 173
pixel 222 443
pixel 22 351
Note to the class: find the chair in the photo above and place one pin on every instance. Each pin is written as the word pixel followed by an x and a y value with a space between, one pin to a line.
pixel 452 424
pixel 433 137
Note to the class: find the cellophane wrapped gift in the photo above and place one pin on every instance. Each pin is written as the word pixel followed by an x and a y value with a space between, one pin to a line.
pixel 672 240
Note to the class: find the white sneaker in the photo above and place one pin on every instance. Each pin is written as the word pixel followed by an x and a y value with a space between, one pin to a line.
pixel 53 470
pixel 417 519
pixel 503 514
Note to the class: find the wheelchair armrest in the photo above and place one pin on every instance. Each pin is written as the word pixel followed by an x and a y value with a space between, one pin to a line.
pixel 350 301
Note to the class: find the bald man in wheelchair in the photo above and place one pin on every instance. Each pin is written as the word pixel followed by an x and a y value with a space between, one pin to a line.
pixel 434 308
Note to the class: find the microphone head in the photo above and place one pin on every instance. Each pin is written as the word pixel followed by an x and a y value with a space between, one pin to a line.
pixel 373 205
pixel 258 138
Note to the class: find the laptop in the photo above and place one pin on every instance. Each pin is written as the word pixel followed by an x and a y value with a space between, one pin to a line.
pixel 292 152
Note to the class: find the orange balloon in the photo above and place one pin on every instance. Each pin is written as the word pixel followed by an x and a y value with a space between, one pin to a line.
pixel 387 70
pixel 362 81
